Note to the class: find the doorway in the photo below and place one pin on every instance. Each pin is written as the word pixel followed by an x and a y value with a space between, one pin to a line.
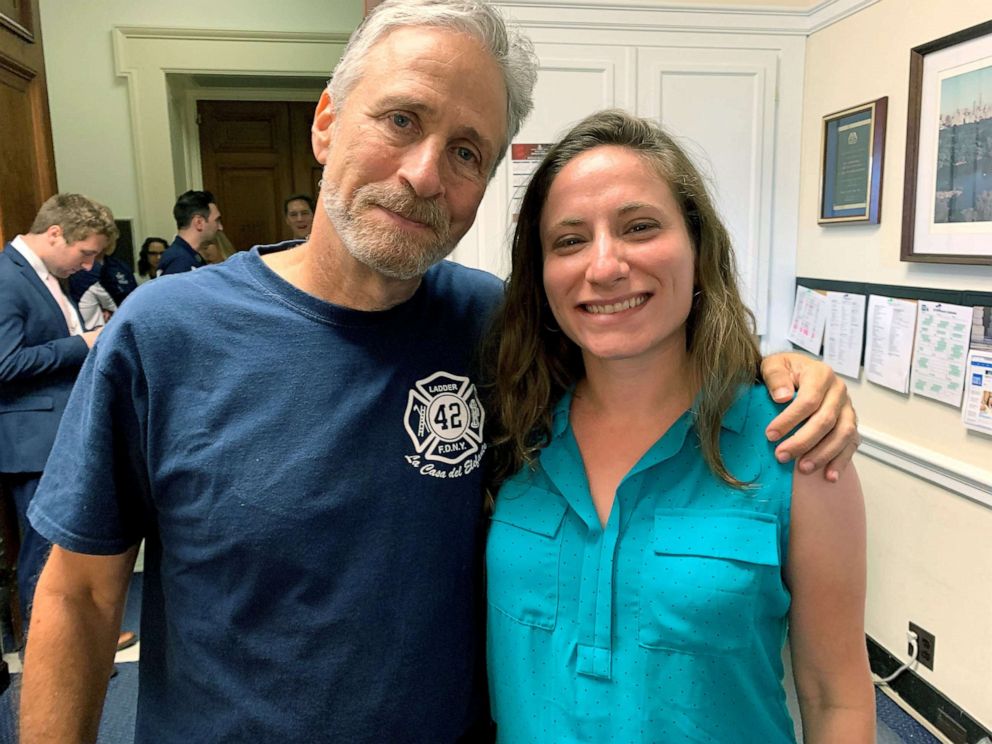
pixel 253 155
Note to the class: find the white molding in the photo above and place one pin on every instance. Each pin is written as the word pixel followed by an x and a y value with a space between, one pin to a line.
pixel 218 34
pixel 144 56
pixel 828 12
pixel 191 130
pixel 966 480
pixel 650 15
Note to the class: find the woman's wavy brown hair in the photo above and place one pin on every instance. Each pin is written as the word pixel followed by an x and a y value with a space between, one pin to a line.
pixel 534 363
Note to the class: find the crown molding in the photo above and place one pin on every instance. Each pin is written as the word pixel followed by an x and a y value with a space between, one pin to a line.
pixel 966 480
pixel 215 34
pixel 648 15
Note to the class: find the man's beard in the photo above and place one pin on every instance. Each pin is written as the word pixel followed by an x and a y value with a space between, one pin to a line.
pixel 392 251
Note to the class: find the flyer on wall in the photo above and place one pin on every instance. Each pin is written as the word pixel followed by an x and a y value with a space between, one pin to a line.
pixel 977 410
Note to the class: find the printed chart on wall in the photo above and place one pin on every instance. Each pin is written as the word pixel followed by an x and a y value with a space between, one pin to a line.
pixel 977 410
pixel 844 334
pixel 941 347
pixel 809 318
pixel 524 159
pixel 889 348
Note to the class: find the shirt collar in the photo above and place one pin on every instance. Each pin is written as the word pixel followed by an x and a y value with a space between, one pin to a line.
pixel 182 243
pixel 31 257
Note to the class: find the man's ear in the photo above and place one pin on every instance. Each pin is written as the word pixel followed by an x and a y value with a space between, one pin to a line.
pixel 320 131
pixel 53 233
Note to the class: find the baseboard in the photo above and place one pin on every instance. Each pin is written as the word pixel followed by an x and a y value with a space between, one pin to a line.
pixel 942 713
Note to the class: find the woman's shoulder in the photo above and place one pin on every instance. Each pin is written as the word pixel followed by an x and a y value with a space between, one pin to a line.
pixel 751 412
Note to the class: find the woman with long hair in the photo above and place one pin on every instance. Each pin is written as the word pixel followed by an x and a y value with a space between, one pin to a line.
pixel 647 551
pixel 148 258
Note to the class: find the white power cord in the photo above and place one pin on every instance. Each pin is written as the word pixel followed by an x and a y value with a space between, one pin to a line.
pixel 914 650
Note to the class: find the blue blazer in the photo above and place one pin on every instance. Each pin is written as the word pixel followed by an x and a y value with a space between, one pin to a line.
pixel 39 362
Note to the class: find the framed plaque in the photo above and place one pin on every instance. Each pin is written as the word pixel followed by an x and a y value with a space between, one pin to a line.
pixel 947 193
pixel 851 162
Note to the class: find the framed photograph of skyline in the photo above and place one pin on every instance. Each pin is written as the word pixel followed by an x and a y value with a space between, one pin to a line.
pixel 947 193
pixel 851 164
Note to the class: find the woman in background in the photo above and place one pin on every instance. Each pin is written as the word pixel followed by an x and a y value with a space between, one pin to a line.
pixel 148 258
pixel 647 552
pixel 217 249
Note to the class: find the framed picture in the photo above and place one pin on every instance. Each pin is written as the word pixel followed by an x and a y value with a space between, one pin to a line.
pixel 947 195
pixel 851 164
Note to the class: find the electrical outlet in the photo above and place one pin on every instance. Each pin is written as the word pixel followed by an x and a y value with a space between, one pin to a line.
pixel 925 642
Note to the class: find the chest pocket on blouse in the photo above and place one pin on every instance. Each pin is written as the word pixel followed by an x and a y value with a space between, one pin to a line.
pixel 522 554
pixel 705 578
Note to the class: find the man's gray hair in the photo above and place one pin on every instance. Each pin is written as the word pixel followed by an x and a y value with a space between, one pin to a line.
pixel 510 49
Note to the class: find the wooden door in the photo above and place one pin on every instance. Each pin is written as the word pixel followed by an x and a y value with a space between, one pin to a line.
pixel 27 164
pixel 254 155
pixel 27 178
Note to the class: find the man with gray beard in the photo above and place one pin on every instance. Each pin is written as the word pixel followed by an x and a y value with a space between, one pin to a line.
pixel 311 506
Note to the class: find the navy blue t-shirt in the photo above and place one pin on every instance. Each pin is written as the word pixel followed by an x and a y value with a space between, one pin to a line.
pixel 307 479
pixel 117 278
pixel 179 258
pixel 82 280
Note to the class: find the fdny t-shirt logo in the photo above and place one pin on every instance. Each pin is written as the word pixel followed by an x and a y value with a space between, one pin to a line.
pixel 444 420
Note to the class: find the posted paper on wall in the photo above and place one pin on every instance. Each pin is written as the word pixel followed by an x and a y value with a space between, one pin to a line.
pixel 889 349
pixel 941 351
pixel 844 334
pixel 977 410
pixel 809 316
pixel 524 159
pixel 981 328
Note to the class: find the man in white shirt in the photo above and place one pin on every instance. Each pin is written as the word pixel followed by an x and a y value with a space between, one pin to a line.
pixel 42 346
pixel 93 301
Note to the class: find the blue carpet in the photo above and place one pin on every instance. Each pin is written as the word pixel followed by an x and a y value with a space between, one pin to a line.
pixel 893 718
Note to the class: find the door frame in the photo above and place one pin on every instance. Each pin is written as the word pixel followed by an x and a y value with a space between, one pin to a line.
pixel 146 56
pixel 189 139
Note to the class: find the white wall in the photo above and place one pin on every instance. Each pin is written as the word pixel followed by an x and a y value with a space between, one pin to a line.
pixel 91 122
pixel 930 549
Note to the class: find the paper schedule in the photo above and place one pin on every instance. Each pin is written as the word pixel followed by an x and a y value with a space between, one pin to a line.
pixel 889 348
pixel 844 332
pixel 941 351
pixel 809 316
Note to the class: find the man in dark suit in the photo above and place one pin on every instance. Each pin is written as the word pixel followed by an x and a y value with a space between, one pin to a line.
pixel 197 221
pixel 42 347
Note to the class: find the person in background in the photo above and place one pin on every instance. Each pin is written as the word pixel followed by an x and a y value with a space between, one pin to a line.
pixel 298 211
pixel 197 220
pixel 218 249
pixel 92 299
pixel 149 257
pixel 648 552
pixel 42 346
pixel 312 560
pixel 116 276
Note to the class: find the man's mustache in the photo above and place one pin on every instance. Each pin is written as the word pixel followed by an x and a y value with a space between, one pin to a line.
pixel 404 203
